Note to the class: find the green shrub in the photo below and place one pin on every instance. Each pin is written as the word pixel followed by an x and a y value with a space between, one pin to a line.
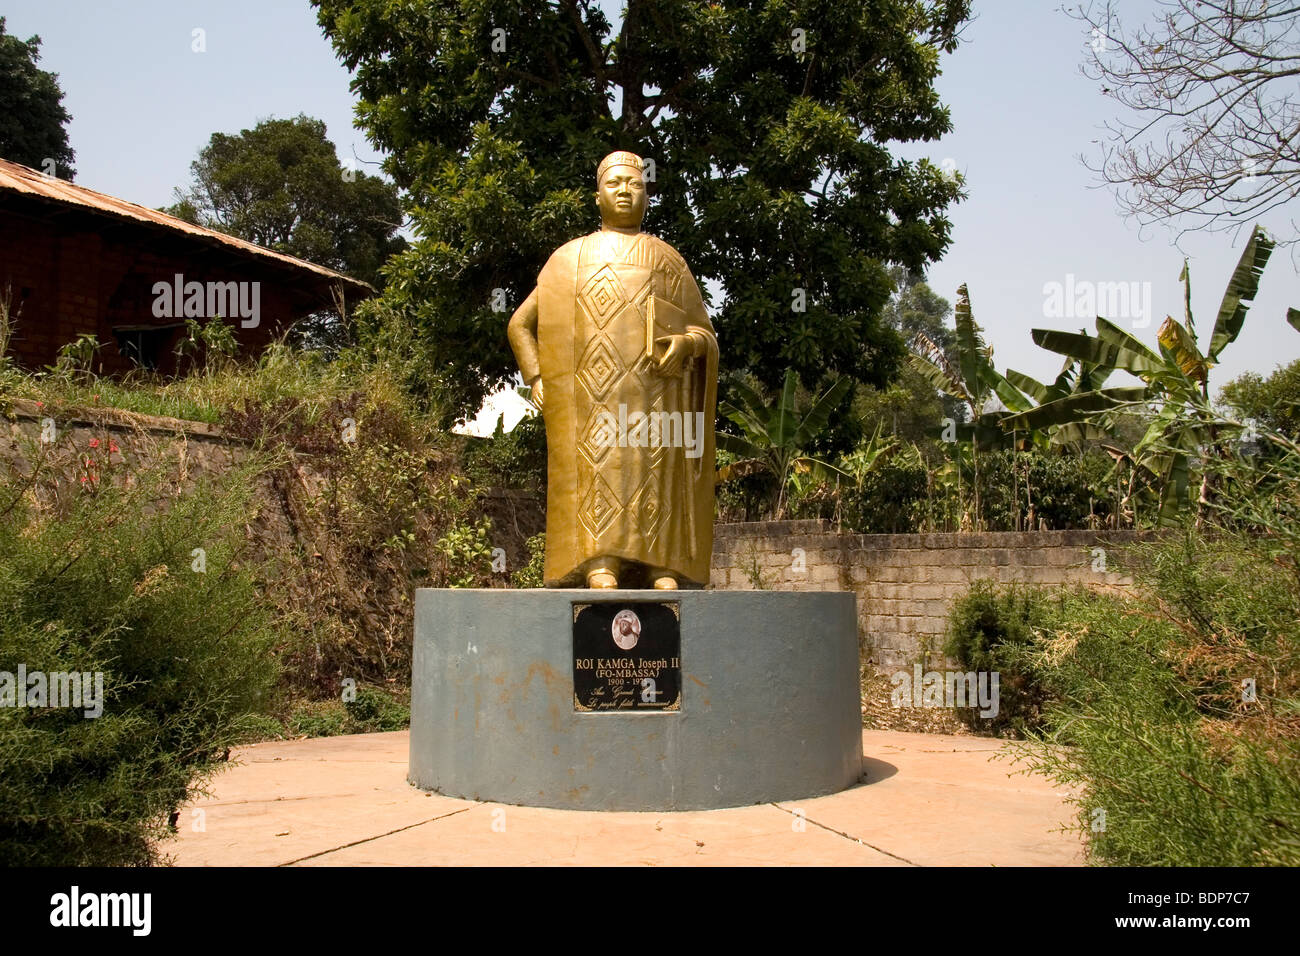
pixel 372 710
pixel 513 459
pixel 379 507
pixel 892 500
pixel 1037 488
pixel 466 554
pixel 319 718
pixel 101 572
pixel 532 574
pixel 1178 763
pixel 260 727
pixel 375 710
pixel 989 629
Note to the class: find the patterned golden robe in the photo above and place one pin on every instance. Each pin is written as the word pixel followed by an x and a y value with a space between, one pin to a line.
pixel 652 505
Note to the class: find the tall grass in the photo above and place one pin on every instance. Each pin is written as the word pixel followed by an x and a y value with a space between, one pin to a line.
pixel 1175 710
pixel 214 384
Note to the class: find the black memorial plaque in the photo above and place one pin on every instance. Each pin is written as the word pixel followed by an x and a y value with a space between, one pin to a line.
pixel 627 656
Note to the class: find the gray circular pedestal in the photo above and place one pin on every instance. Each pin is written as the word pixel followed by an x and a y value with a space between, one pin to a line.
pixel 769 709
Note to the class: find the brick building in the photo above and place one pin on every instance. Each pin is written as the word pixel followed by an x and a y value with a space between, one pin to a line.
pixel 78 261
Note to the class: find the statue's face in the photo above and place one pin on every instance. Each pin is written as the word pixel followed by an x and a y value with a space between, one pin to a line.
pixel 621 197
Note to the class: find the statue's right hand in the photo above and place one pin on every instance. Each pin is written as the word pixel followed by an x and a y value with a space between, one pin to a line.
pixel 536 395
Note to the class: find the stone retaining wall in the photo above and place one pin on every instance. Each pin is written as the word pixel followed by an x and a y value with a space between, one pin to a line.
pixel 905 582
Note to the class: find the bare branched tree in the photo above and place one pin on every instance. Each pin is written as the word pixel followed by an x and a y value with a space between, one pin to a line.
pixel 1208 134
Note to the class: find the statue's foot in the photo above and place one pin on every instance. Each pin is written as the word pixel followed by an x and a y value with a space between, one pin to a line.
pixel 665 582
pixel 602 579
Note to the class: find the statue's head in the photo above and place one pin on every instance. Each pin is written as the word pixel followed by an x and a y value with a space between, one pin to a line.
pixel 620 190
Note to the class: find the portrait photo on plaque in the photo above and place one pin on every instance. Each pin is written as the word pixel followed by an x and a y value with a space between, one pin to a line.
pixel 627 656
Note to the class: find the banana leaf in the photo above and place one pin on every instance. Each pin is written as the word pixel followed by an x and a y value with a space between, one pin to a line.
pixel 1072 408
pixel 817 417
pixel 1185 277
pixel 1110 332
pixel 751 428
pixel 1181 345
pixel 938 377
pixel 752 409
pixel 1241 291
pixel 1092 377
pixel 783 423
pixel 737 445
pixel 1031 386
pixel 984 434
pixel 1086 348
pixel 1011 397
pixel 1072 432
pixel 1173 492
pixel 821 470
pixel 970 345
pixel 741 469
pixel 1159 426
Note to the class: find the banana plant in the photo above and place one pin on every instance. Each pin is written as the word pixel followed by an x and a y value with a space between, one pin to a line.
pixel 1075 378
pixel 773 437
pixel 974 382
pixel 1176 377
pixel 864 459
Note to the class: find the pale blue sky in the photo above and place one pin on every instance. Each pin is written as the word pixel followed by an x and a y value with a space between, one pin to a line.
pixel 143 103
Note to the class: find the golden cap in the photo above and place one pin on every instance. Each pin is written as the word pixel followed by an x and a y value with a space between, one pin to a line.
pixel 618 158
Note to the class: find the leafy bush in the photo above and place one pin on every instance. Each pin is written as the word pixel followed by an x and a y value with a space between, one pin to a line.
pixel 748 498
pixel 372 711
pixel 378 506
pixel 892 500
pixel 1181 764
pixel 466 554
pixel 1273 401
pixel 917 490
pixel 1027 489
pixel 319 718
pixel 513 459
pixel 375 710
pixel 989 629
pixel 532 574
pixel 101 572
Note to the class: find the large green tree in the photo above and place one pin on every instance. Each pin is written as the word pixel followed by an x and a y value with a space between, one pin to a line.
pixel 768 121
pixel 910 407
pixel 32 118
pixel 1273 401
pixel 281 185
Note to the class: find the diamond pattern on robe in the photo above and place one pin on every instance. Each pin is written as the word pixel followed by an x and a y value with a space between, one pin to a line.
pixel 599 507
pixel 647 510
pixel 602 297
pixel 599 435
pixel 599 368
pixel 659 435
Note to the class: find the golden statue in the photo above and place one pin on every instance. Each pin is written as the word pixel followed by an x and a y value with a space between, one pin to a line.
pixel 623 361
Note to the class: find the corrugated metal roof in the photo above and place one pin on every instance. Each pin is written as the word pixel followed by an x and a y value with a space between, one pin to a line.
pixel 24 179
